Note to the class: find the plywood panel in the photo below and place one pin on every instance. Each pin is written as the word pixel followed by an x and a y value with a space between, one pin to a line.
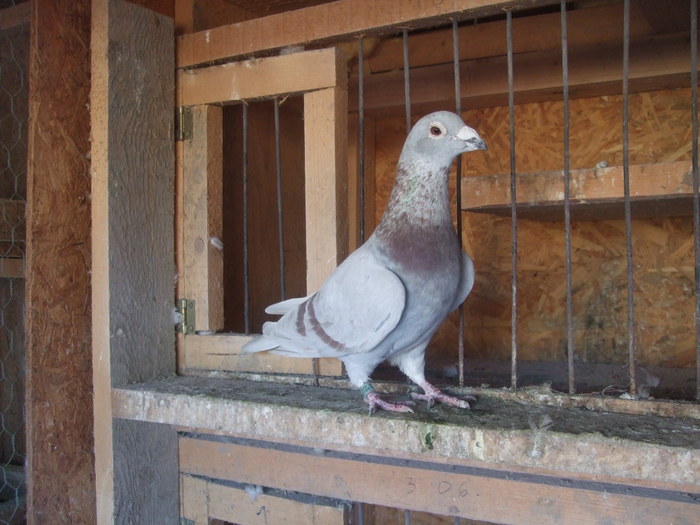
pixel 133 257
pixel 659 133
pixel 58 374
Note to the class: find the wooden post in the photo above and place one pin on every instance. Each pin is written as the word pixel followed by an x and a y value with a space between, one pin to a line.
pixel 133 257
pixel 325 131
pixel 202 221
pixel 60 471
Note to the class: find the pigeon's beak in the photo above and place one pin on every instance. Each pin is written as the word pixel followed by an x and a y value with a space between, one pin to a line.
pixel 471 138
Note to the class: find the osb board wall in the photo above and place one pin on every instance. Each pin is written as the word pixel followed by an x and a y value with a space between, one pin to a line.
pixel 659 131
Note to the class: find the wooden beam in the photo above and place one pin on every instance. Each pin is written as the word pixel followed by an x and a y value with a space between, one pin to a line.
pixel 133 259
pixel 325 132
pixel 60 478
pixel 329 22
pixel 427 486
pixel 656 62
pixel 261 77
pixel 204 500
pixel 497 433
pixel 664 188
pixel 203 270
pixel 595 26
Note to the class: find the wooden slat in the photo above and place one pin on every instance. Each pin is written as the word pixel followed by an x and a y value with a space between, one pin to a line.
pixel 340 19
pixel 658 63
pixel 203 500
pixel 132 254
pixel 280 75
pixel 430 487
pixel 223 352
pixel 595 26
pixel 541 195
pixel 325 132
pixel 60 479
pixel 203 270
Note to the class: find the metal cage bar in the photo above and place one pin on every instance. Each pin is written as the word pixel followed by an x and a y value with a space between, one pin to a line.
pixel 567 203
pixel 631 339
pixel 513 205
pixel 458 192
pixel 278 176
pixel 246 266
pixel 406 80
pixel 696 181
pixel 361 138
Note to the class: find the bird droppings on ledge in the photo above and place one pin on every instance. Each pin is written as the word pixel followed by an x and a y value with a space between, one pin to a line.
pixel 487 413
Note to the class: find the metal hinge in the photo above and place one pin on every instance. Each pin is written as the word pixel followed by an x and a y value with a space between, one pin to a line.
pixel 185 307
pixel 183 123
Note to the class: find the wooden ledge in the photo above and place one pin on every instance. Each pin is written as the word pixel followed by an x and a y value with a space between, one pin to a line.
pixel 503 435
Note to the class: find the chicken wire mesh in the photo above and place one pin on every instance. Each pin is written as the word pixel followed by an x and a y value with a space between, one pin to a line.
pixel 14 47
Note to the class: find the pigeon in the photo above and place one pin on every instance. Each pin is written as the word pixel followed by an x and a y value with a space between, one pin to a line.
pixel 387 299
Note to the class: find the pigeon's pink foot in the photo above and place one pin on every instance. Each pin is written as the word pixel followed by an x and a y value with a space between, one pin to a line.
pixel 377 403
pixel 433 394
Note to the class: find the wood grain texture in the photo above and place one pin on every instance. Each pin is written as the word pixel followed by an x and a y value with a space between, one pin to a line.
pixel 325 132
pixel 325 23
pixel 58 373
pixel 261 77
pixel 133 258
pixel 204 500
pixel 203 264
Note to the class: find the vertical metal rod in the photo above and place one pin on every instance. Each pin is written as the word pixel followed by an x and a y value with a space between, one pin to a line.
pixel 280 221
pixel 632 357
pixel 246 276
pixel 458 191
pixel 567 203
pixel 406 83
pixel 360 514
pixel 696 181
pixel 407 517
pixel 513 206
pixel 361 137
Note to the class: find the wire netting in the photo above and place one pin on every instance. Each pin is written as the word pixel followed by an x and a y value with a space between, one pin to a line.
pixel 14 50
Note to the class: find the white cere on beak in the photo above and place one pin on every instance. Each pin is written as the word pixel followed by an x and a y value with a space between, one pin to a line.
pixel 467 133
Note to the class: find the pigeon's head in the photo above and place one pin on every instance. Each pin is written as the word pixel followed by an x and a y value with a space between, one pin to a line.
pixel 442 136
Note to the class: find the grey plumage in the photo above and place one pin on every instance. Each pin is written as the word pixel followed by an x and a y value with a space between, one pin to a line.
pixel 386 300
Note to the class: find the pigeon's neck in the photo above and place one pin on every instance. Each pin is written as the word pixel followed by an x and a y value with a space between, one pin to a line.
pixel 420 197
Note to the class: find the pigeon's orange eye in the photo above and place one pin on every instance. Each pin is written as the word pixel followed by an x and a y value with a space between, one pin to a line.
pixel 435 131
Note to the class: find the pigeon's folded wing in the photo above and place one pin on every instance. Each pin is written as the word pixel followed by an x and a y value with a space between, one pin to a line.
pixel 355 309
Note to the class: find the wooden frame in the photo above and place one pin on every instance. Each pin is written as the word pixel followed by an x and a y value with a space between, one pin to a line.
pixel 323 84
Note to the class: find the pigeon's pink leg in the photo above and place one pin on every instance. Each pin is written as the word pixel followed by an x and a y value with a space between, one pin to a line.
pixel 433 394
pixel 377 403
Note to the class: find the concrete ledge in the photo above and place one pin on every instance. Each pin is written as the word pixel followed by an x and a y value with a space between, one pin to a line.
pixel 648 450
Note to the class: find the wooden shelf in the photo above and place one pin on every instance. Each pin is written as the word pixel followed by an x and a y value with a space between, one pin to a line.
pixel 657 190
pixel 323 442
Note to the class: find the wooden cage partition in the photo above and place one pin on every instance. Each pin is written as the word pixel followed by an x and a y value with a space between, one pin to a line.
pixel 133 256
pixel 202 91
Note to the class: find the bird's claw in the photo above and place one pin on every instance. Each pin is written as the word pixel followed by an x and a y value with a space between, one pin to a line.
pixel 377 403
pixel 433 394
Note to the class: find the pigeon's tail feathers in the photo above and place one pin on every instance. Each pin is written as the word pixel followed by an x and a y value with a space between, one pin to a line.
pixel 283 307
pixel 260 344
